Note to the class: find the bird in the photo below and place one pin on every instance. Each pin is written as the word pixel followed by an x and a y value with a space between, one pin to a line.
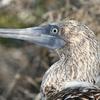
pixel 75 76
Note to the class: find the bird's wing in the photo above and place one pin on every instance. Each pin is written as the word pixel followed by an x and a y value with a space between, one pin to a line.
pixel 78 93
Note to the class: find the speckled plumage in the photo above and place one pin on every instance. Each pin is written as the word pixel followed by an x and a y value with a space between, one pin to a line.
pixel 78 59
pixel 80 93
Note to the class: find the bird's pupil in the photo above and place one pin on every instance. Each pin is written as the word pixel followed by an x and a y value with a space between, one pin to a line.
pixel 55 30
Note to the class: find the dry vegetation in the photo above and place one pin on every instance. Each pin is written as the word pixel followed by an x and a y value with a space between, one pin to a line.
pixel 22 64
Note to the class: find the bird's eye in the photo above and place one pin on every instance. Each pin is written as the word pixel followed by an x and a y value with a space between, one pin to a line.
pixel 54 31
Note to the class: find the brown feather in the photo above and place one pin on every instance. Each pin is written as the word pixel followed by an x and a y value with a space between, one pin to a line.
pixel 77 94
pixel 78 61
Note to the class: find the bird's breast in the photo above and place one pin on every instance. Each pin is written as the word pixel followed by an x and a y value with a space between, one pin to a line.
pixel 53 80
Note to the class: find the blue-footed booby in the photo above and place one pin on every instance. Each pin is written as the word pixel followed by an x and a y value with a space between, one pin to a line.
pixel 75 75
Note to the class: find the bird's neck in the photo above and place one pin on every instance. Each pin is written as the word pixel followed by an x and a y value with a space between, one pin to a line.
pixel 80 62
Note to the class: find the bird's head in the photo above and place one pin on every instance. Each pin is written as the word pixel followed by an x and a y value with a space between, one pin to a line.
pixel 53 36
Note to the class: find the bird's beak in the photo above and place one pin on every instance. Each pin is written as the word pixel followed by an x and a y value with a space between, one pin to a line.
pixel 37 35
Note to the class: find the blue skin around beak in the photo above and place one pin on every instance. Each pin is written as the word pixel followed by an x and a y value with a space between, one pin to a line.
pixel 38 35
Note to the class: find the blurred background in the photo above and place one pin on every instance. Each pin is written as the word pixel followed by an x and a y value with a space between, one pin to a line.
pixel 22 64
